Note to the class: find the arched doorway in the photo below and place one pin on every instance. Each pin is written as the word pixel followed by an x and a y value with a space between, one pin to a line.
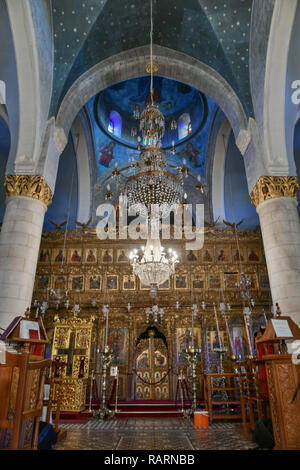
pixel 152 377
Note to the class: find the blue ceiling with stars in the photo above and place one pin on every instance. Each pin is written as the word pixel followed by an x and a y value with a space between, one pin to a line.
pixel 213 31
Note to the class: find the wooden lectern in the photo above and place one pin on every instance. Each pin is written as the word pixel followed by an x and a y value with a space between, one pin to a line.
pixel 283 376
pixel 27 334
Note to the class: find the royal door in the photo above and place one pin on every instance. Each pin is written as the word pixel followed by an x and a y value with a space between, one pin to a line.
pixel 152 367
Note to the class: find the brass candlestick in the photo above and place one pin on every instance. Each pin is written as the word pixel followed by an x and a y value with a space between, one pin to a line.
pixel 104 412
pixel 192 355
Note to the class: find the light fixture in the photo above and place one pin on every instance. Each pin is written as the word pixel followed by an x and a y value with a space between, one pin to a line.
pixel 108 194
pixel 154 314
pixel 173 125
pixel 152 183
pixel 153 265
pixel 136 111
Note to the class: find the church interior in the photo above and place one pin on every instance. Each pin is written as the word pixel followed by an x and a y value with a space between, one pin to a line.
pixel 150 235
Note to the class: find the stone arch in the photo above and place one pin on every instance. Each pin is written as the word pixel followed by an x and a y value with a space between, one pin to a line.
pixel 216 166
pixel 131 64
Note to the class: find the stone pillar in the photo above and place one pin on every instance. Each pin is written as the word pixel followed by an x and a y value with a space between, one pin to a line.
pixel 276 205
pixel 27 200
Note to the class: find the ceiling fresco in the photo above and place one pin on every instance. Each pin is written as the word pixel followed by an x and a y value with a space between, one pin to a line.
pixel 88 31
pixel 190 151
pixel 174 99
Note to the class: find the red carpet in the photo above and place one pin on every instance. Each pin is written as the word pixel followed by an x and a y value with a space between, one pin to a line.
pixel 129 409
pixel 148 409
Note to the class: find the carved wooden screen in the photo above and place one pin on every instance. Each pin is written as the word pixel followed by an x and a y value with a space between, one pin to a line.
pixel 152 369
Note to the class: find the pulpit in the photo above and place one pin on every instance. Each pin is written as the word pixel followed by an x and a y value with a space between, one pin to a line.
pixel 72 345
pixel 283 376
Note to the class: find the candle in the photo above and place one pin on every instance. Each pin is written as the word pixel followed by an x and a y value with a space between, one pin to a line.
pixel 192 329
pixel 217 324
pixel 106 329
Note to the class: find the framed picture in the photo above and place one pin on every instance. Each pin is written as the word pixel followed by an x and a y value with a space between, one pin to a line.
pixel 90 255
pixel 198 281
pixel 129 282
pixel 77 283
pixel 238 254
pixel 165 285
pixel 213 340
pixel 112 282
pixel 253 254
pixel 192 256
pixel 43 282
pixel 93 283
pixel 214 282
pixel 223 255
pixel 123 256
pixel 60 282
pixel 75 255
pixel 181 281
pixel 59 256
pixel 207 255
pixel 107 255
pixel 45 255
pixel 231 280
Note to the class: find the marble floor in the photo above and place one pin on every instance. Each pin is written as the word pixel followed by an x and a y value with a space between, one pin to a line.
pixel 153 434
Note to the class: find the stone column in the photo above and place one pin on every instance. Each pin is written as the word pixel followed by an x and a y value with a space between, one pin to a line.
pixel 275 200
pixel 27 200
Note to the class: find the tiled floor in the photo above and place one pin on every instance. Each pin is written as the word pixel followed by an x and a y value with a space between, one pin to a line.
pixel 153 434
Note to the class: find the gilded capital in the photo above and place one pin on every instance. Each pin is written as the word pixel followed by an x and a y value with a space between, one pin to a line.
pixel 30 186
pixel 268 187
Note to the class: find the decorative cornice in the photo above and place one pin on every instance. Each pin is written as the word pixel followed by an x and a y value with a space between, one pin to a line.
pixel 268 187
pixel 30 186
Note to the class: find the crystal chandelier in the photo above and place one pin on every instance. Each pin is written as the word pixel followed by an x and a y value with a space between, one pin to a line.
pixel 152 183
pixel 153 265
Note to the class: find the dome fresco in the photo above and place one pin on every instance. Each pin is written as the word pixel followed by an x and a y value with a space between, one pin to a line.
pixel 175 100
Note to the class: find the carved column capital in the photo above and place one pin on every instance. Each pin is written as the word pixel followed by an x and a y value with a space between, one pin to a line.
pixel 268 187
pixel 30 186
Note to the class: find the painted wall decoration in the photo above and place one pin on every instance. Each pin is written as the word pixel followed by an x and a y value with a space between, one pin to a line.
pixel 60 282
pixel 43 282
pixel 77 283
pixel 142 361
pixel 123 256
pixel 58 256
pixel 184 340
pixel 94 283
pixel 45 256
pixel 107 255
pixel 112 282
pixel 197 281
pixel 91 255
pixel 117 340
pixel 75 255
pixel 239 342
pixel 213 340
pixel 181 281
pixel 160 360
pixel 129 283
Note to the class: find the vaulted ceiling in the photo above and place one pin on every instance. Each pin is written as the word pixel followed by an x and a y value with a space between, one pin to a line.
pixel 89 31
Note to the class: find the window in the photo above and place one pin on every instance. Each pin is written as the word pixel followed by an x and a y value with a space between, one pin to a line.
pixel 184 126
pixel 115 124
